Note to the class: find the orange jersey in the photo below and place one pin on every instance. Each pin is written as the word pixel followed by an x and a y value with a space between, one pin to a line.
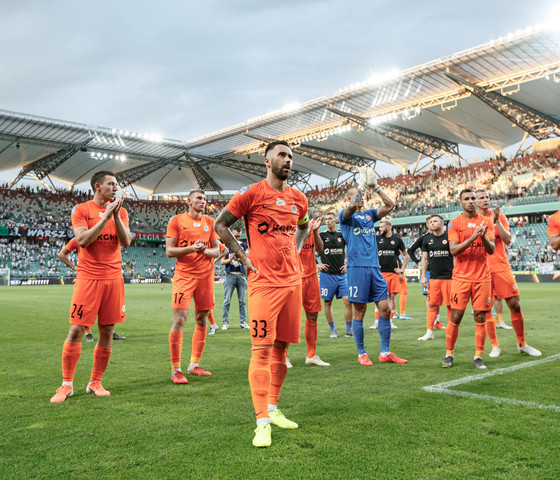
pixel 472 264
pixel 187 230
pixel 308 257
pixel 102 258
pixel 498 262
pixel 553 224
pixel 271 220
pixel 71 245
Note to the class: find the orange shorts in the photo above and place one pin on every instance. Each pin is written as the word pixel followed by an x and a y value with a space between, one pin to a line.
pixel 186 288
pixel 393 283
pixel 439 291
pixel 479 293
pixel 101 299
pixel 311 292
pixel 403 282
pixel 275 313
pixel 504 285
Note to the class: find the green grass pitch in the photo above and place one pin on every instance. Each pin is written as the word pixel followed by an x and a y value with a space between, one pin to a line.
pixel 355 422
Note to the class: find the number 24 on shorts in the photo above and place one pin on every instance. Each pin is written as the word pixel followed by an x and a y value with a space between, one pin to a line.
pixel 259 325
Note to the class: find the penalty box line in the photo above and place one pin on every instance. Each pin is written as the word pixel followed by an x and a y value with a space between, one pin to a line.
pixel 444 387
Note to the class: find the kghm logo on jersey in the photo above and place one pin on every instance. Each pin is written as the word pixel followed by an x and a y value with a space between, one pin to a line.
pixel 365 231
pixel 196 224
pixel 244 189
pixel 280 202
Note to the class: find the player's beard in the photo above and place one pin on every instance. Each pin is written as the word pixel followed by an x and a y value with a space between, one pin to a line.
pixel 279 172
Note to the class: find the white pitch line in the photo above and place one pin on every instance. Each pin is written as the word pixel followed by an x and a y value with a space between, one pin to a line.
pixel 444 386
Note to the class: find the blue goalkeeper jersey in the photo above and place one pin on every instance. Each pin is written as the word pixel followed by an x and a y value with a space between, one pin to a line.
pixel 359 234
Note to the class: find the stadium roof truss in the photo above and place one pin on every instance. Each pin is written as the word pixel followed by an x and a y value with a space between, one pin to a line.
pixel 491 96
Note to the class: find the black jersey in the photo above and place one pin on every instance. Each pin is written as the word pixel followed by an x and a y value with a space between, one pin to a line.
pixel 389 252
pixel 440 260
pixel 333 251
pixel 415 246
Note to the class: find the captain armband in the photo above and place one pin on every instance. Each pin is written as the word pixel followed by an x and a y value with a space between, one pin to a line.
pixel 304 219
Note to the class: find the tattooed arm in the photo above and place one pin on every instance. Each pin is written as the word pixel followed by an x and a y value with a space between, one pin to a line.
pixel 302 234
pixel 221 227
pixel 355 202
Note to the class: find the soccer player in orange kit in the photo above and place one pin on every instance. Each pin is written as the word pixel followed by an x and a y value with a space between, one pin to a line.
pixel 471 241
pixel 312 292
pixel 504 285
pixel 101 228
pixel 192 241
pixel 276 223
pixel 553 227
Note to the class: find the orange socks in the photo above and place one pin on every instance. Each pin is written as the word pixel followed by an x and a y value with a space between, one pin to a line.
pixel 278 370
pixel 211 320
pixel 519 326
pixel 499 318
pixel 198 343
pixel 376 315
pixel 259 379
pixel 431 317
pixel 402 303
pixel 175 348
pixel 451 337
pixel 311 338
pixel 101 357
pixel 479 338
pixel 88 330
pixel 70 356
pixel 491 329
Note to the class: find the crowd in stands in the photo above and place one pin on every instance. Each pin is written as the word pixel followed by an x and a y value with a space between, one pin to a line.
pixel 530 179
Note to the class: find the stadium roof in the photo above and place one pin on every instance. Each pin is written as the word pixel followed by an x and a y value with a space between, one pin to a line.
pixel 491 96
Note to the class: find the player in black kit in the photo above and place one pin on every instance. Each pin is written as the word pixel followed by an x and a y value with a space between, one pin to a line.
pixel 417 245
pixel 436 258
pixel 332 276
pixel 390 247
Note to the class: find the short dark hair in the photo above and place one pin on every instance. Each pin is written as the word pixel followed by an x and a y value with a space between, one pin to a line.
pixel 271 146
pixel 481 190
pixel 331 213
pixel 98 177
pixel 236 229
pixel 465 190
pixel 428 218
pixel 437 215
pixel 196 191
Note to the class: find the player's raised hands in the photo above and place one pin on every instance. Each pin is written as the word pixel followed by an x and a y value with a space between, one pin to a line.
pixel 315 224
pixel 199 246
pixel 113 208
pixel 495 213
pixel 481 229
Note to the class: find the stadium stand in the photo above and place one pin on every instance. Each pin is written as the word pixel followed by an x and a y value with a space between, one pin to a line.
pixel 37 221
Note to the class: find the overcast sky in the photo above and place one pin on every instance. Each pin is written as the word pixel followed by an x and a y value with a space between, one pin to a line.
pixel 187 68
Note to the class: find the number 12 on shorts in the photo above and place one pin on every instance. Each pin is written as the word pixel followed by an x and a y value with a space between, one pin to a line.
pixel 353 291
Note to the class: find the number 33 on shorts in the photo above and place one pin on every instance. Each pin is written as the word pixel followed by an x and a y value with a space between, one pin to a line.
pixel 259 329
